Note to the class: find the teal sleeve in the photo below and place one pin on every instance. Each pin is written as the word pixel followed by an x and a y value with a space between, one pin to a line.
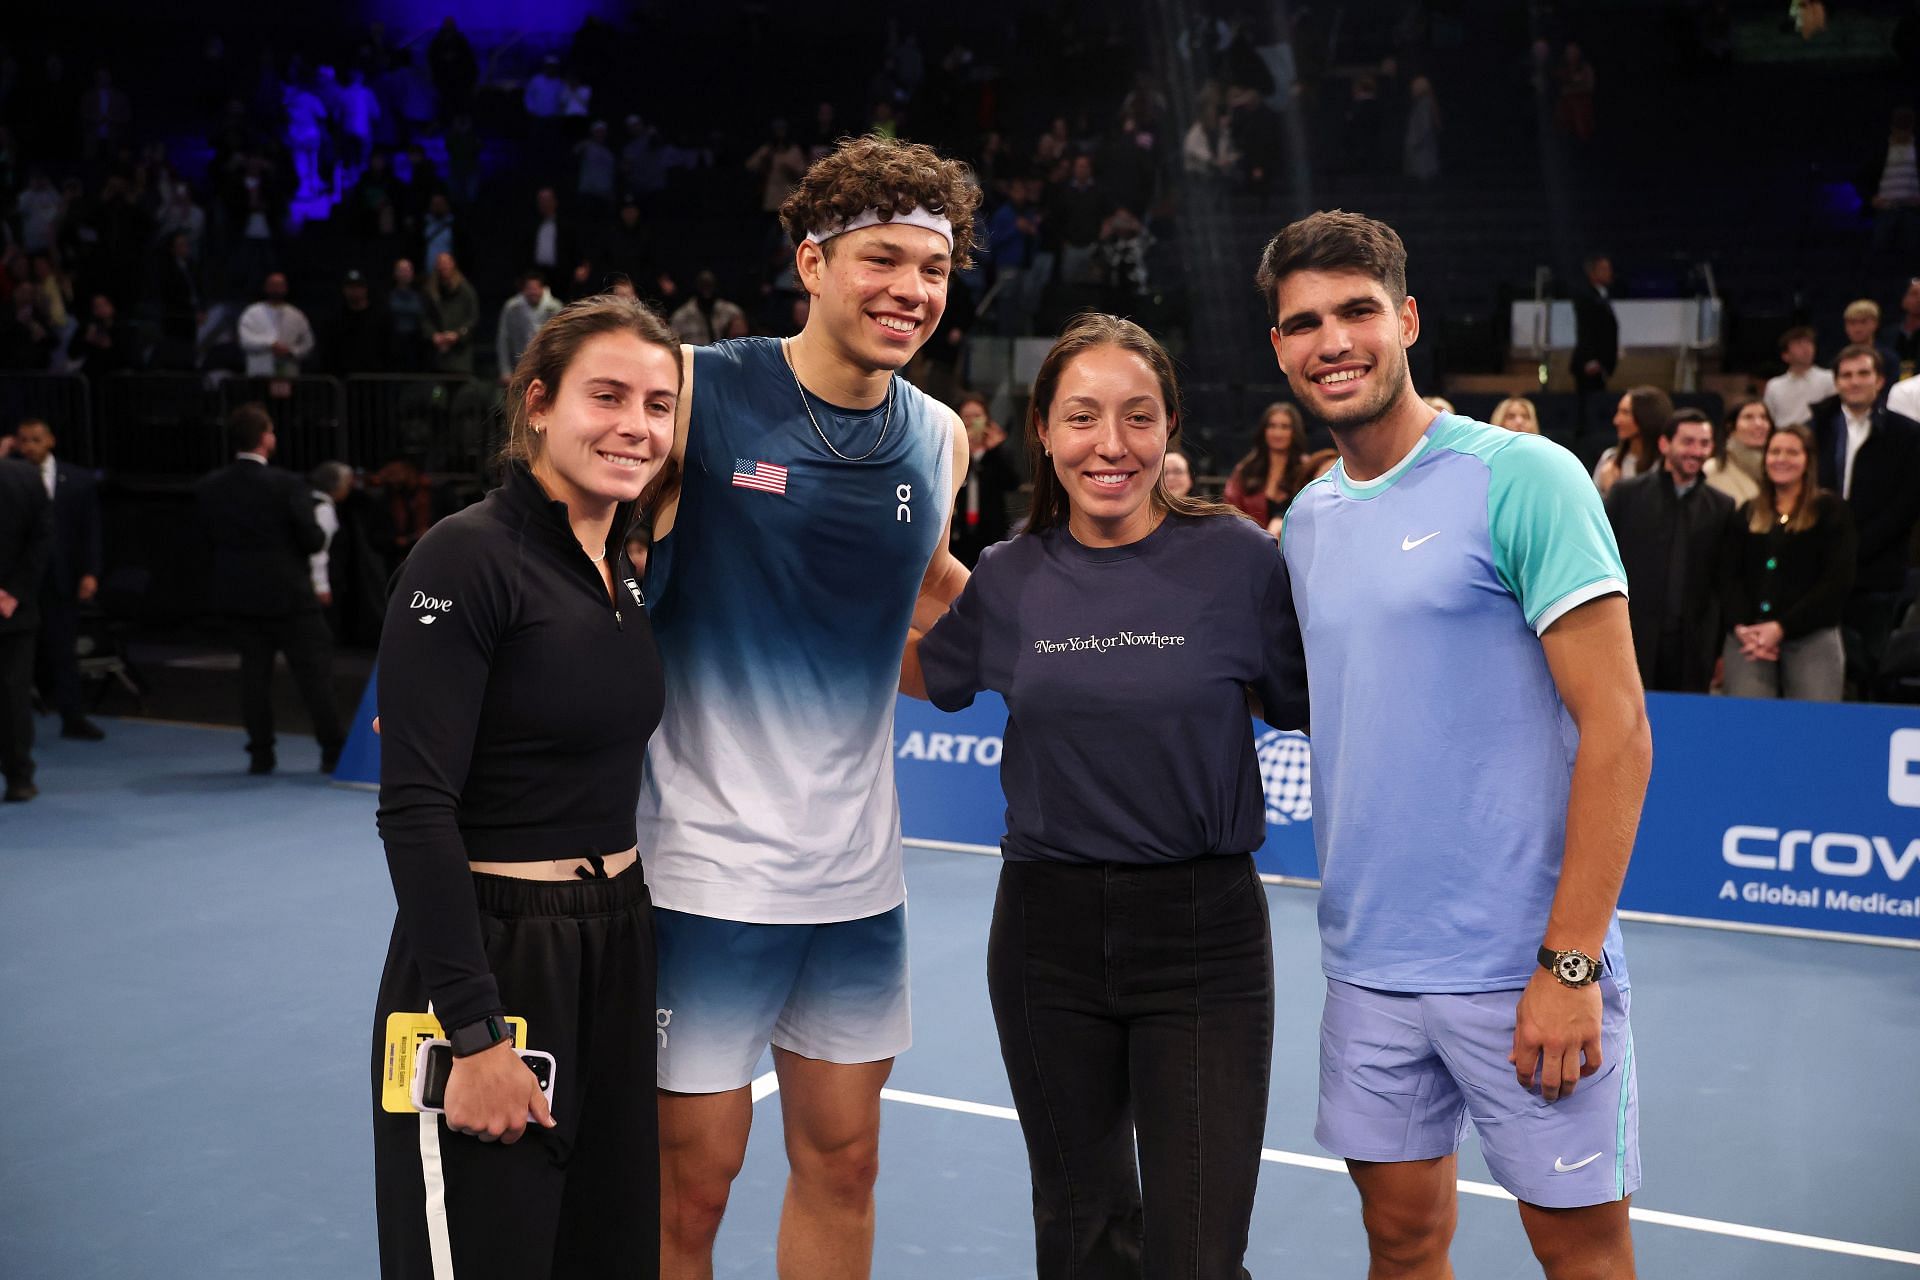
pixel 1552 545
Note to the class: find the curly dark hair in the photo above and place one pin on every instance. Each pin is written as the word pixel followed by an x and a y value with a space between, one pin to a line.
pixel 888 175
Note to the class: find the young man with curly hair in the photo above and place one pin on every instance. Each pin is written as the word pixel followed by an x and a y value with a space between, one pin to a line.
pixel 805 538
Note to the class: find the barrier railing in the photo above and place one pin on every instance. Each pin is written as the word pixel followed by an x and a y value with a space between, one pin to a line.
pixel 448 424
pixel 152 425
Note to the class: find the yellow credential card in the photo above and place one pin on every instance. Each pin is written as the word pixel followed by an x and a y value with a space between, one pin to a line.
pixel 406 1032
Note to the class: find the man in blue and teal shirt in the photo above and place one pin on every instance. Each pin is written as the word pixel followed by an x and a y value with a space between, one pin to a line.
pixel 1481 751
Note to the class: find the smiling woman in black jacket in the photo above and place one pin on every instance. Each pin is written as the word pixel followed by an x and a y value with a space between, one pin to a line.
pixel 1785 570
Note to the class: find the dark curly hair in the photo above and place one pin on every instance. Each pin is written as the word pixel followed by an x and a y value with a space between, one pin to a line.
pixel 888 175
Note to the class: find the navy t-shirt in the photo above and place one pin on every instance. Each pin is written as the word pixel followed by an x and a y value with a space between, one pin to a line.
pixel 1125 671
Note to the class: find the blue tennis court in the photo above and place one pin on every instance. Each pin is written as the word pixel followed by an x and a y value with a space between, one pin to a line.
pixel 190 955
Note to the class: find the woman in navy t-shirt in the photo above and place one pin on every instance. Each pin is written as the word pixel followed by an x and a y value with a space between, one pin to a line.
pixel 1130 964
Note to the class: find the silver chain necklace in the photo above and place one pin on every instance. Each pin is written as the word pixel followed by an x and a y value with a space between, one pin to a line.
pixel 885 422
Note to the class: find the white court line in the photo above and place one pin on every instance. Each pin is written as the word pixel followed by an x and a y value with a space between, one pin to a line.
pixel 1654 1217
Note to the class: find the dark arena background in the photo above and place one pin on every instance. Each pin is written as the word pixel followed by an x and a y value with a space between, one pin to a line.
pixel 1595 196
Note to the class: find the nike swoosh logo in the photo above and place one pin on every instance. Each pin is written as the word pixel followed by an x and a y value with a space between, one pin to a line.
pixel 1408 544
pixel 1561 1166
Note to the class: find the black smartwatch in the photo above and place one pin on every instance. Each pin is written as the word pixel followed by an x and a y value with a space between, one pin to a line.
pixel 1571 968
pixel 476 1037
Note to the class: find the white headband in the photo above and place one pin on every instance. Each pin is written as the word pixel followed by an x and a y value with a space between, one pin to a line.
pixel 918 216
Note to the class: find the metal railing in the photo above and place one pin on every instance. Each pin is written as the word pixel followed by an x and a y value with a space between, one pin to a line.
pixel 154 425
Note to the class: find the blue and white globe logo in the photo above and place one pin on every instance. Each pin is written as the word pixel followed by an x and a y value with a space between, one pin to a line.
pixel 1286 775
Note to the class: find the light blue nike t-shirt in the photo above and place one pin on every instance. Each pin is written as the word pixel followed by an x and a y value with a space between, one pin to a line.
pixel 1442 754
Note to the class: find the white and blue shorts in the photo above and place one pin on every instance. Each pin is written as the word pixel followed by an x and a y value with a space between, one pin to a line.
pixel 833 992
pixel 1402 1074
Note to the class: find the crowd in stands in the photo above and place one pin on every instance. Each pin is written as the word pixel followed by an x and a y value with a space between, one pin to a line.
pixel 409 208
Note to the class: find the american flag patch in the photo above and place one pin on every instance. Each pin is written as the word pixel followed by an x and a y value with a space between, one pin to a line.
pixel 763 476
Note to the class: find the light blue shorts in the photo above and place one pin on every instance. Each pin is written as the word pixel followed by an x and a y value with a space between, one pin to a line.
pixel 1402 1074
pixel 833 992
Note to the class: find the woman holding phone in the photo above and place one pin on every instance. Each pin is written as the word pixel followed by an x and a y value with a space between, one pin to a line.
pixel 519 684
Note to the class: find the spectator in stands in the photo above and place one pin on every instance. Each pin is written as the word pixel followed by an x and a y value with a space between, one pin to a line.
pixel 1904 335
pixel 104 345
pixel 626 249
pixel 1516 413
pixel 1176 474
pixel 39 208
pixel 440 230
pixel 1266 478
pixel 453 309
pixel 1574 109
pixel 598 170
pixel 1874 456
pixel 1790 396
pixel 1785 573
pixel 1861 321
pixel 26 542
pixel 260 522
pixel 26 342
pixel 980 513
pixel 550 245
pixel 1077 212
pixel 1209 152
pixel 1439 404
pixel 546 91
pixel 274 333
pixel 781 163
pixel 360 111
pixel 1420 153
pixel 1894 180
pixel 178 293
pixel 520 319
pixel 106 115
pixel 1318 464
pixel 455 70
pixel 643 161
pixel 1013 231
pixel 358 337
pixel 306 132
pixel 1641 417
pixel 409 325
pixel 463 161
pixel 73 575
pixel 182 215
pixel 1738 464
pixel 1671 527
pixel 706 317
pixel 1596 330
pixel 55 303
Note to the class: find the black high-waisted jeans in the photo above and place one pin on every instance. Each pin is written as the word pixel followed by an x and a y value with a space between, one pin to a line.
pixel 1135 1009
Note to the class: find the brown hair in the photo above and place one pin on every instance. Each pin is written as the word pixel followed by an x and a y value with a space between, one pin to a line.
pixel 1795 334
pixel 1762 513
pixel 551 353
pixel 249 424
pixel 1727 424
pixel 1087 332
pixel 1652 410
pixel 891 177
pixel 1254 470
pixel 1333 240
pixel 1859 350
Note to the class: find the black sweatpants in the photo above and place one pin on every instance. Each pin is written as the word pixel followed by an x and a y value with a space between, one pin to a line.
pixel 16 706
pixel 1135 1010
pixel 576 960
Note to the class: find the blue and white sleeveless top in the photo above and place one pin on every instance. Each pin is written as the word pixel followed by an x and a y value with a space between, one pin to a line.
pixel 780 601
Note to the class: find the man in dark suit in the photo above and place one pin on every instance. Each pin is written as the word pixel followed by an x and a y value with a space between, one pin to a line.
pixel 26 540
pixel 1670 523
pixel 73 574
pixel 1596 331
pixel 260 522
pixel 1870 456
